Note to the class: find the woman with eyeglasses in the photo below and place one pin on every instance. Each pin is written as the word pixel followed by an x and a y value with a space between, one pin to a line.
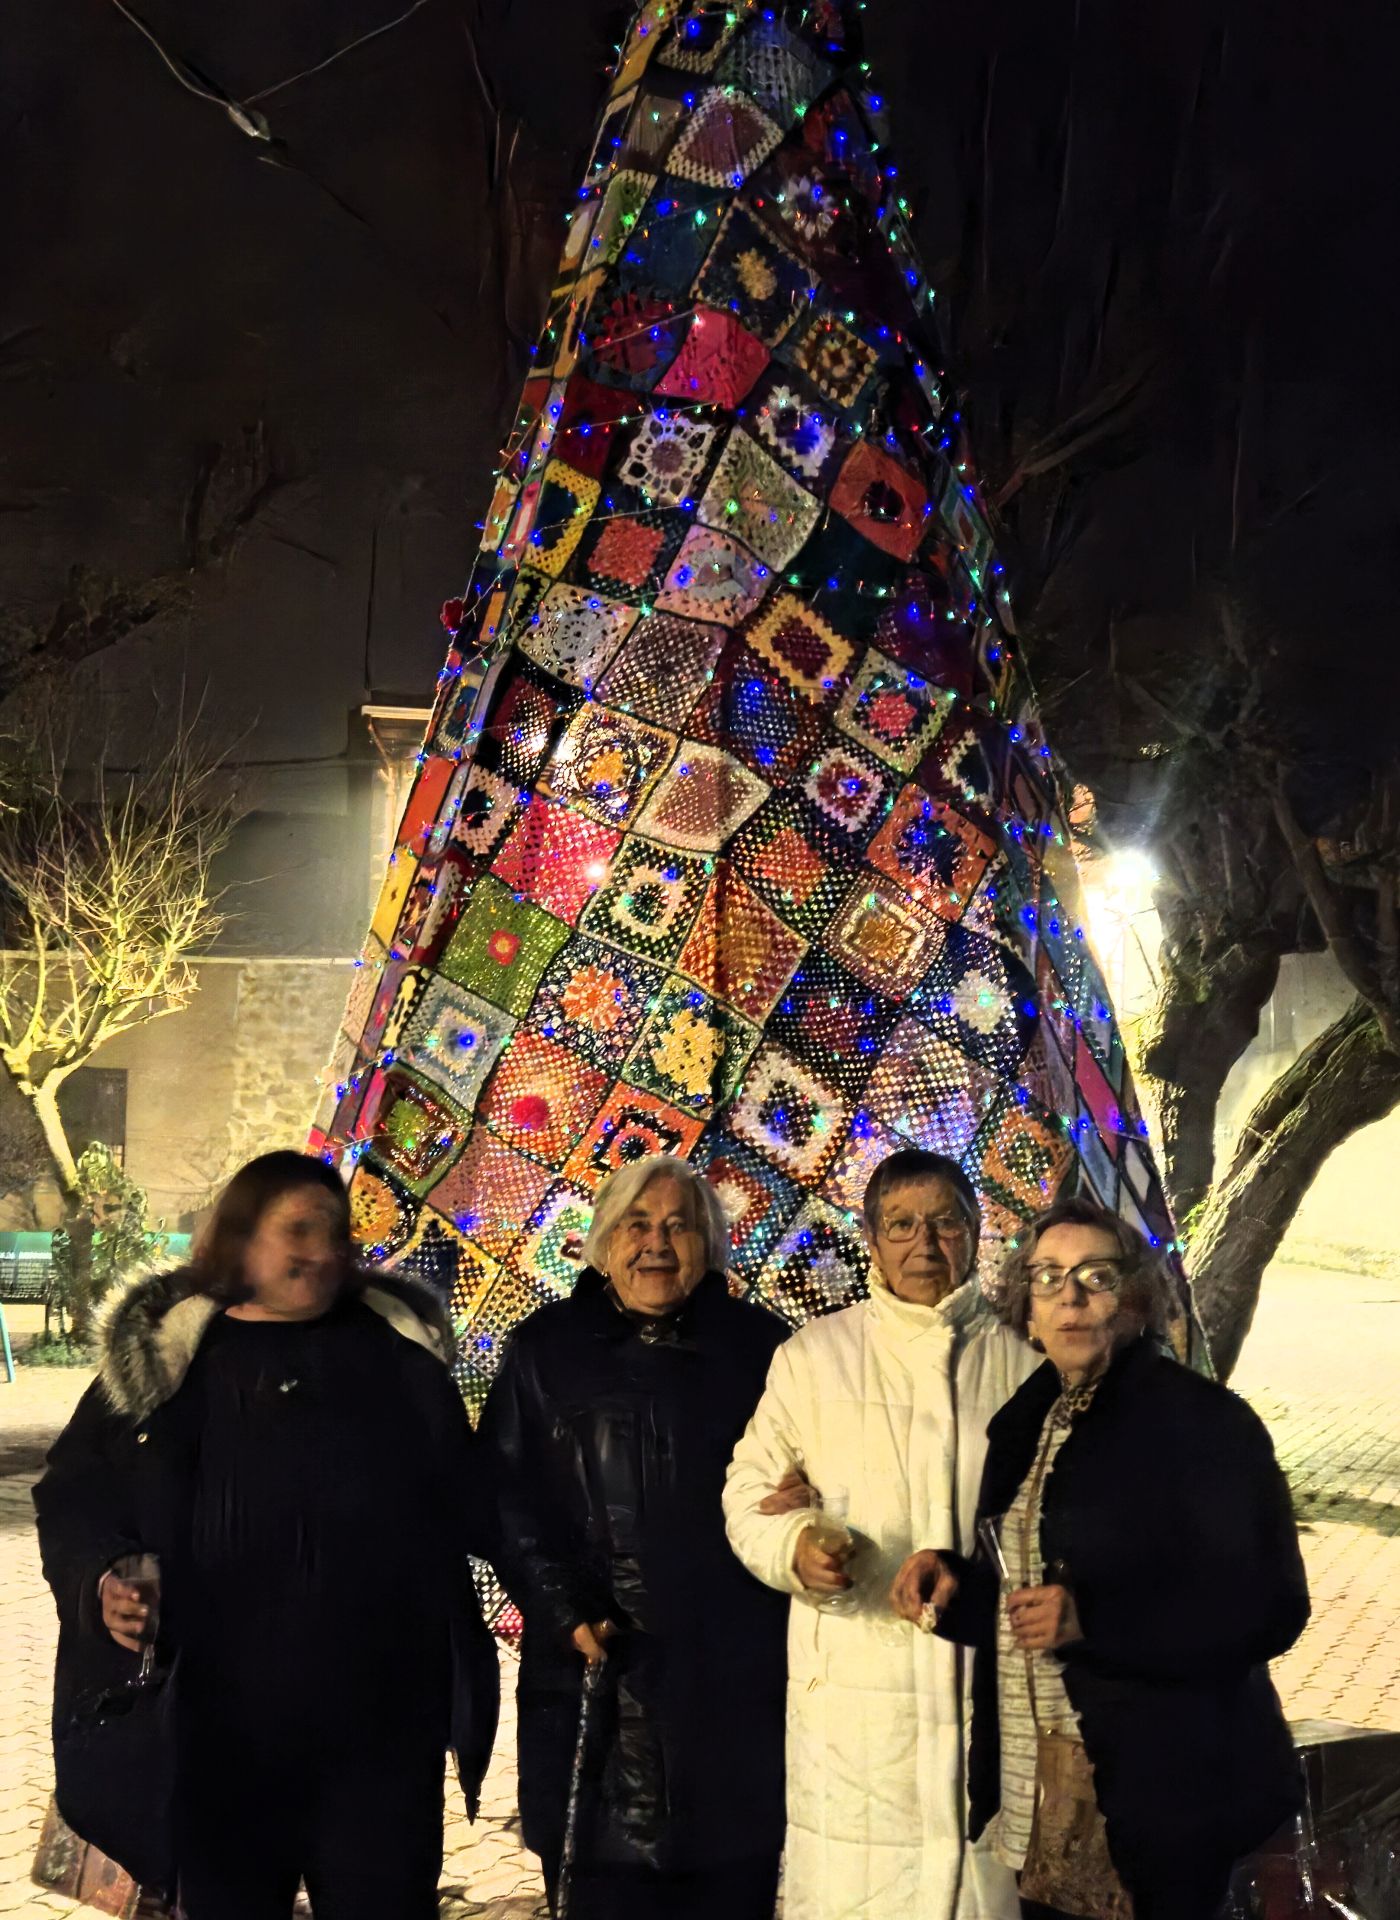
pixel 1139 1568
pixel 878 1416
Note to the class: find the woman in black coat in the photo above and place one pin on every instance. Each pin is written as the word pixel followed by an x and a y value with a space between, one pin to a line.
pixel 281 1431
pixel 1127 1739
pixel 609 1429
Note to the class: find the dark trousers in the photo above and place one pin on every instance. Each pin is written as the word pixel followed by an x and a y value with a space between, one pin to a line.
pixel 364 1830
pixel 744 1890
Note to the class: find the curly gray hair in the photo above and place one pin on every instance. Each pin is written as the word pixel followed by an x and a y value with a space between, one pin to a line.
pixel 622 1189
pixel 1147 1286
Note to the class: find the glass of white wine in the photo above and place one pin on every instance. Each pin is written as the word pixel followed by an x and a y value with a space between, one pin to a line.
pixel 834 1536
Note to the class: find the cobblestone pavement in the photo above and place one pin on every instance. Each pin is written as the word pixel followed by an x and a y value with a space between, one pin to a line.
pixel 1320 1366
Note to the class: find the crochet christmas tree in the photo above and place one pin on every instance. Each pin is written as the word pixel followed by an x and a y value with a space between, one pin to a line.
pixel 734 833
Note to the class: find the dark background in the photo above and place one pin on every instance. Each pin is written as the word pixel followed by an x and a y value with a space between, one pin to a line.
pixel 253 394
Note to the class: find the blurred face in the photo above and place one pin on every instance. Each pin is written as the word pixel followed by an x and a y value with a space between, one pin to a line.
pixel 295 1260
pixel 656 1255
pixel 1078 1327
pixel 923 1241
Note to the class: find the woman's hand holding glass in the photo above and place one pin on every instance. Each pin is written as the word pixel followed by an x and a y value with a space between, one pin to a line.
pixel 923 1581
pixel 1043 1618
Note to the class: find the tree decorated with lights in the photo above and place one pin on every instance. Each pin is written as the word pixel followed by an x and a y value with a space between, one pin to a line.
pixel 734 834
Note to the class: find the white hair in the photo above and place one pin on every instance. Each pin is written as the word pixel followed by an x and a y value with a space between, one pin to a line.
pixel 621 1191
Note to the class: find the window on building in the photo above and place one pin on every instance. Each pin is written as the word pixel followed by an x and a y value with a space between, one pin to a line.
pixel 92 1106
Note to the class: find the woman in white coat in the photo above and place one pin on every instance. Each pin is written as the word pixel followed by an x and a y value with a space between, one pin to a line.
pixel 889 1401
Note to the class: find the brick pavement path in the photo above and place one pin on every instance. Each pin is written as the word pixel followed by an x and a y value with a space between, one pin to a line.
pixel 1319 1366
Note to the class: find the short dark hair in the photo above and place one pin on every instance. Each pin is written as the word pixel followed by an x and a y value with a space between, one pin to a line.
pixel 218 1259
pixel 915 1163
pixel 1146 1281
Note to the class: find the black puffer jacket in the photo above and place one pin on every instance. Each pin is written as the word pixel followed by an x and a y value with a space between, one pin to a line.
pixel 609 1439
pixel 1172 1521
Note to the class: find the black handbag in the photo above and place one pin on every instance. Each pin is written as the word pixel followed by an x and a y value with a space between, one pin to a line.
pixel 114 1774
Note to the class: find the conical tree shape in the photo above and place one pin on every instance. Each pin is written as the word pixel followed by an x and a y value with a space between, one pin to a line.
pixel 747 847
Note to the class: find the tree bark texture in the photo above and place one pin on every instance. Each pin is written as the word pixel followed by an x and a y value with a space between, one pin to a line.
pixel 1347 1078
pixel 1206 1015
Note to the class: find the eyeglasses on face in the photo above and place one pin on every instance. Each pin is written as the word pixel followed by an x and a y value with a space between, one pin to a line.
pixel 1094 1276
pixel 900 1227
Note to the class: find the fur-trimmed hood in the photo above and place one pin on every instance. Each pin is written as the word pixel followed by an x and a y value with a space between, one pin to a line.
pixel 148 1329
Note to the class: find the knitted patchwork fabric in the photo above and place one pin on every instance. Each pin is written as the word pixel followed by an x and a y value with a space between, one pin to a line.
pixel 734 834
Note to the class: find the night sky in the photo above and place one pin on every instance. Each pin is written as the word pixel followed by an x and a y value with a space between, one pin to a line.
pixel 1190 206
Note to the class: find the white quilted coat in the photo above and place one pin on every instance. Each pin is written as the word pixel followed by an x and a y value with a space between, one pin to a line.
pixel 892 1401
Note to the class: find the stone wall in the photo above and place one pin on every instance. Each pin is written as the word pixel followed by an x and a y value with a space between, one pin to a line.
pixel 234 1075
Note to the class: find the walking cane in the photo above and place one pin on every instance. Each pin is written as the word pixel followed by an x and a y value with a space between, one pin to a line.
pixel 592 1680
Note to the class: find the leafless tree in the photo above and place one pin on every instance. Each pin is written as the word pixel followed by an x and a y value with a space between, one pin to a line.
pixel 107 898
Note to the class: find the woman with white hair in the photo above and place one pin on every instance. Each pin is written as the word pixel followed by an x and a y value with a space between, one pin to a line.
pixel 610 1427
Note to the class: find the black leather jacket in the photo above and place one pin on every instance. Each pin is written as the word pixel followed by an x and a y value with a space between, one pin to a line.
pixel 610 1436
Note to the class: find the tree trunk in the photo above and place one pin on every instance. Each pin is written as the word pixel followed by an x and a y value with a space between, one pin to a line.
pixel 25 1156
pixel 1206 1015
pixel 1346 1079
pixel 44 1101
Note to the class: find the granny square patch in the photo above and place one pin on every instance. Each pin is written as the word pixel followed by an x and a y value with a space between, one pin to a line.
pixel 757 1199
pixel 936 855
pixel 775 68
pixel 714 577
pixel 882 939
pixel 804 433
pixel 795 862
pixel 541 1096
pixel 575 633
pixel 751 496
pixel 382 1212
pixel 704 798
pixel 751 272
pixel 566 500
pixel 417 1132
pixel 628 192
pixel 527 714
pixel 978 994
pixel 788 1114
pixel 556 858
pixel 819 1264
pixel 667 455
pixel 629 547
pixel 1024 1154
pixel 882 500
pixel 739 951
pixel 633 338
pixel 664 667
pixel 454 1039
pixel 750 712
pixel 718 363
pixel 805 648
pixel 488 804
pixel 501 946
pixel 649 900
pixel 833 1021
pixel 848 790
pixel 491 1192
pixel 929 1091
pixel 835 359
pixel 865 1147
pixel 552 1245
pixel 692 1051
pixel 725 138
pixel 594 999
pixel 606 763
pixel 700 43
pixel 894 712
pixel 629 1125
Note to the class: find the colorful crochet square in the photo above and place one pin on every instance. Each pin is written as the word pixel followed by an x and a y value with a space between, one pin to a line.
pixel 735 832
